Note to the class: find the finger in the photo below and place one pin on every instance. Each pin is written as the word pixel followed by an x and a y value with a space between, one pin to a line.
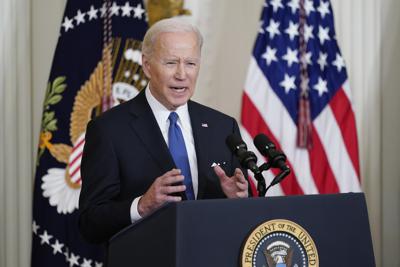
pixel 241 180
pixel 168 180
pixel 173 198
pixel 242 194
pixel 220 172
pixel 240 176
pixel 172 172
pixel 241 186
pixel 174 189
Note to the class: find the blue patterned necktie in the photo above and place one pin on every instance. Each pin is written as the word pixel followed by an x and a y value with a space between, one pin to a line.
pixel 178 151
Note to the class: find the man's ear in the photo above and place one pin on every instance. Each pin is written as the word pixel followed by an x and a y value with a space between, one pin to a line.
pixel 146 66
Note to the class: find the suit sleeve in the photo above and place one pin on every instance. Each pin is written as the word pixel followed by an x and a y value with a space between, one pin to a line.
pixel 101 215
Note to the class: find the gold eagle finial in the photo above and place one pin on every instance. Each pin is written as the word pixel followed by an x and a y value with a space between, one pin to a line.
pixel 162 9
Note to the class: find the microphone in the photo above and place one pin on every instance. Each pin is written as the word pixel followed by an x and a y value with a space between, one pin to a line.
pixel 275 157
pixel 247 159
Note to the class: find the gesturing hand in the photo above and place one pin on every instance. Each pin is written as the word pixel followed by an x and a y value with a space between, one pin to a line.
pixel 235 186
pixel 160 192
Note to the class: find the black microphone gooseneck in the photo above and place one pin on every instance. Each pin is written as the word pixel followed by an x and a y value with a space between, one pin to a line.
pixel 247 160
pixel 276 158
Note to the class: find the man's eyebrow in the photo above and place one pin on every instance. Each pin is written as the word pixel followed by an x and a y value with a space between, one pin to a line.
pixel 173 58
pixel 192 59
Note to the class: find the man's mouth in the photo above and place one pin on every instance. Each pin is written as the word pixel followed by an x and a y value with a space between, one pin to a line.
pixel 178 89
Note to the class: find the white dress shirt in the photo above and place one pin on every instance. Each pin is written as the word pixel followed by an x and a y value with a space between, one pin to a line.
pixel 161 114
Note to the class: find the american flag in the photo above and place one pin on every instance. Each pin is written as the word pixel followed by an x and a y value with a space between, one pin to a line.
pixel 296 52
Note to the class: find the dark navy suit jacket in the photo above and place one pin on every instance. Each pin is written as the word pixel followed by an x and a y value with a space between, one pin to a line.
pixel 125 152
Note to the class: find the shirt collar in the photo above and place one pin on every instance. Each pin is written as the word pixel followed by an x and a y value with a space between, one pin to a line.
pixel 162 113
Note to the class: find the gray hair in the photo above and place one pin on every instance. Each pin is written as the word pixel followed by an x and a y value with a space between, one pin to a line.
pixel 168 25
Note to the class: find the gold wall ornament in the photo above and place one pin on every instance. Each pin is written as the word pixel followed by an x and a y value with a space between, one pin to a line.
pixel 162 9
pixel 53 96
pixel 124 59
pixel 86 100
pixel 60 152
pixel 118 76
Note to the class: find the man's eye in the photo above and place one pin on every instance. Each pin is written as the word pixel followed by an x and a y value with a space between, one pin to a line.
pixel 171 63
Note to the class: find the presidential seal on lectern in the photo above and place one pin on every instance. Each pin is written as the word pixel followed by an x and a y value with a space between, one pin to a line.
pixel 279 243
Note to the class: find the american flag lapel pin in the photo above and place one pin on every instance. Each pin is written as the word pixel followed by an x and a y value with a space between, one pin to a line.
pixel 204 125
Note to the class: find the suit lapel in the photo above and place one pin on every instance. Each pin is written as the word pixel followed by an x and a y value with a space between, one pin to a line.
pixel 145 125
pixel 200 136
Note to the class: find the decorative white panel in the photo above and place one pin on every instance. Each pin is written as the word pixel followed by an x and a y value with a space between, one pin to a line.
pixel 359 36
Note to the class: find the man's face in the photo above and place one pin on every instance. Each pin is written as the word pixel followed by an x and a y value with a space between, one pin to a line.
pixel 173 68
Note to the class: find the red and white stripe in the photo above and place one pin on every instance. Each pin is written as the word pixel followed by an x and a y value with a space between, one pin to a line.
pixel 331 166
pixel 74 165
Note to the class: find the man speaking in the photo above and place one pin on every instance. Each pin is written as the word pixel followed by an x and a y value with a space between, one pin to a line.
pixel 160 146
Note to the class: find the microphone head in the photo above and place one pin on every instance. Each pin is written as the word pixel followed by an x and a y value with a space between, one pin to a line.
pixel 276 158
pixel 263 143
pixel 235 143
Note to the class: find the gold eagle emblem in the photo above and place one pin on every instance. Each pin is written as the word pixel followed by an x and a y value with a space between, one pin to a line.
pixel 162 9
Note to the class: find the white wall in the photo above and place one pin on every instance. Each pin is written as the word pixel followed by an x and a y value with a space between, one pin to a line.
pixel 390 86
pixel 368 34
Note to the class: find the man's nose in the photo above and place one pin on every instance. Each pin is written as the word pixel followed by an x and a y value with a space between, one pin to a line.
pixel 180 73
